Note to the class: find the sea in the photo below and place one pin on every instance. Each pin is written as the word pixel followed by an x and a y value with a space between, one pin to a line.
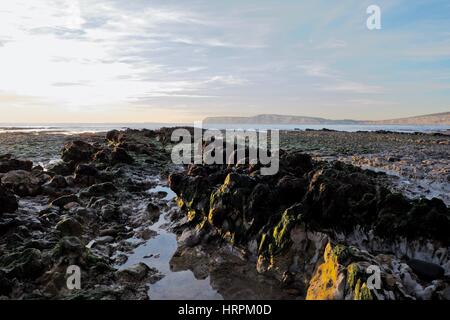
pixel 76 128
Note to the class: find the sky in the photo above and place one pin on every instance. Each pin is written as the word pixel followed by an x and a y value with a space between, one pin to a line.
pixel 181 61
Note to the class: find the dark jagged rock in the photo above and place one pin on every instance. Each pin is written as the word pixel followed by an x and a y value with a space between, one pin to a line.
pixel 325 197
pixel 119 155
pixel 69 227
pixel 99 189
pixel 86 174
pixel 8 163
pixel 62 201
pixel 109 212
pixel 77 151
pixel 153 212
pixel 132 140
pixel 102 156
pixel 86 170
pixel 62 168
pixel 57 182
pixel 71 250
pixel 425 270
pixel 135 273
pixel 23 183
pixel 8 202
pixel 26 264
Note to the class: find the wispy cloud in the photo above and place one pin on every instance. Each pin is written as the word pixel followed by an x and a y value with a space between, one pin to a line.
pixel 352 87
pixel 223 58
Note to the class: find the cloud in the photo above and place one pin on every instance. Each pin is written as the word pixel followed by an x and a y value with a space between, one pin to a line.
pixel 221 57
pixel 352 87
pixel 316 69
pixel 333 44
pixel 95 53
pixel 227 80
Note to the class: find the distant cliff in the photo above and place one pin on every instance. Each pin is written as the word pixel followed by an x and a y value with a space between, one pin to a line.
pixel 430 119
pixel 436 119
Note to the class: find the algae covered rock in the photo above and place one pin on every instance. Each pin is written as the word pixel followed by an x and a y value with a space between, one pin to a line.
pixel 348 273
pixel 26 264
pixel 286 221
pixel 69 227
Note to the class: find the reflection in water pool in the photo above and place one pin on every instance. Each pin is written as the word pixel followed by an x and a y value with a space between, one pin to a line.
pixel 157 253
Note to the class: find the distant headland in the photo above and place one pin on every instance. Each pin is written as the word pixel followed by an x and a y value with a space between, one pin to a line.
pixel 429 119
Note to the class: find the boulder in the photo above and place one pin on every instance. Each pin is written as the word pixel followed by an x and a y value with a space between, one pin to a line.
pixel 190 237
pixel 426 270
pixel 135 273
pixel 71 250
pixel 24 264
pixel 119 155
pixel 22 182
pixel 86 170
pixel 64 200
pixel 62 168
pixel 114 136
pixel 86 174
pixel 57 182
pixel 102 156
pixel 108 212
pixel 153 212
pixel 7 163
pixel 77 151
pixel 69 227
pixel 100 189
pixel 8 202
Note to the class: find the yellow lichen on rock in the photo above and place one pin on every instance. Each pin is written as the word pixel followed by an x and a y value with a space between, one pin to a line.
pixel 324 285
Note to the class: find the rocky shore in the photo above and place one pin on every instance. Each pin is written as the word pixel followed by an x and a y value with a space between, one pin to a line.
pixel 79 210
pixel 311 231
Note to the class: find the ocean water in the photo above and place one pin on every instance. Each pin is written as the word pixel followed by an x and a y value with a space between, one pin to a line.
pixel 74 128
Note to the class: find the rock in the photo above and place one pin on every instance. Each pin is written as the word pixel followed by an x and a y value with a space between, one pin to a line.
pixel 71 250
pixel 296 162
pixel 8 202
pixel 108 212
pixel 446 293
pixel 7 163
pixel 337 278
pixel 6 285
pixel 134 273
pixel 62 168
pixel 100 189
pixel 77 151
pixel 103 156
pixel 69 227
pixel 104 240
pixel 24 264
pixel 190 238
pixel 153 212
pixel 71 205
pixel 114 135
pixel 108 232
pixel 426 270
pixel 119 155
pixel 86 174
pixel 57 182
pixel 86 170
pixel 23 183
pixel 64 200
pixel 146 234
pixel 290 189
